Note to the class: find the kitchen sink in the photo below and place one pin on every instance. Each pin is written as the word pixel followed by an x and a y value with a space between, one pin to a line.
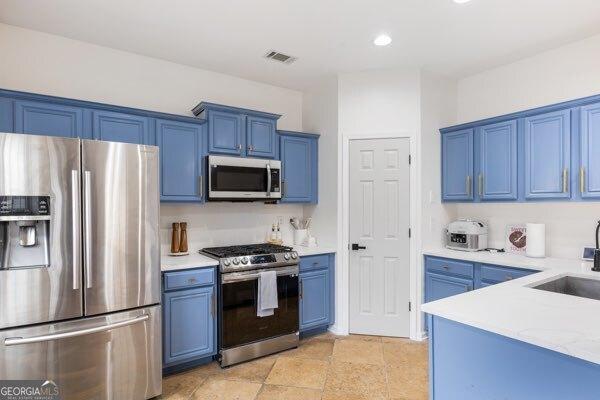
pixel 574 286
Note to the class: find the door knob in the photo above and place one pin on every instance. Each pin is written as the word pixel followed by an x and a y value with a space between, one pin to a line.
pixel 355 246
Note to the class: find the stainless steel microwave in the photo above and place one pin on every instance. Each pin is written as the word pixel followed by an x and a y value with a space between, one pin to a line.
pixel 243 179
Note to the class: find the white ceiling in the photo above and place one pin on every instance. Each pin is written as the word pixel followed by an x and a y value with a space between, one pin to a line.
pixel 327 36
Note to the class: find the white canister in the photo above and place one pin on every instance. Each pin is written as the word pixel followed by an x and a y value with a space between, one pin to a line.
pixel 536 240
pixel 300 236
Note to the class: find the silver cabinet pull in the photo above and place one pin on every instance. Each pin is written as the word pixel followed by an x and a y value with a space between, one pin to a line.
pixel 269 180
pixel 301 289
pixel 213 305
pixel 582 180
pixel 469 185
pixel 88 331
pixel 76 215
pixel 282 189
pixel 480 185
pixel 565 180
pixel 87 181
pixel 239 146
pixel 200 188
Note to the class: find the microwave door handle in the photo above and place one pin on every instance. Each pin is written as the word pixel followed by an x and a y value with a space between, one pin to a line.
pixel 269 180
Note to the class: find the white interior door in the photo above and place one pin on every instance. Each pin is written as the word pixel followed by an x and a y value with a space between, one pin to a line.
pixel 380 221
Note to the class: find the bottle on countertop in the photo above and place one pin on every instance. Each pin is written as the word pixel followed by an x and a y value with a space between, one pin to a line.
pixel 183 241
pixel 175 237
pixel 278 236
pixel 273 233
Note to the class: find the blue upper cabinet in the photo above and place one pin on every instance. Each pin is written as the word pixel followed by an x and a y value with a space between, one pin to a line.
pixel 497 161
pixel 589 173
pixel 548 155
pixel 182 147
pixel 225 133
pixel 261 140
pixel 299 163
pixel 239 131
pixel 457 165
pixel 120 127
pixel 40 118
pixel 6 115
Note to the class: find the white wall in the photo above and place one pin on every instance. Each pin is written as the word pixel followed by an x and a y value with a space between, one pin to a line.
pixel 565 73
pixel 320 114
pixel 42 63
pixel 438 108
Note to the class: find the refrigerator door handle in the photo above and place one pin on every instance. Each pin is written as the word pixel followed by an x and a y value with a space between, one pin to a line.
pixel 14 341
pixel 87 176
pixel 76 215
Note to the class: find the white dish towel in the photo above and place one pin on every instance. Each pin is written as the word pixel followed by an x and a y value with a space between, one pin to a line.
pixel 267 294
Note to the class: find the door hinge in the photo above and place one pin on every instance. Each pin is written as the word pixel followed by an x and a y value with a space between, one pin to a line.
pixel 409 159
pixel 409 306
pixel 409 233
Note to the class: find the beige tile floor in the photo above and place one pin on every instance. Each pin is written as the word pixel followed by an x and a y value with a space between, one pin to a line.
pixel 324 367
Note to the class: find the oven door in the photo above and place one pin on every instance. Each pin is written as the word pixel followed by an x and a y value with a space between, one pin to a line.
pixel 239 323
pixel 233 178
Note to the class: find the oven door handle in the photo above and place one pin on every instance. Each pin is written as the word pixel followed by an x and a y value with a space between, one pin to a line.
pixel 252 275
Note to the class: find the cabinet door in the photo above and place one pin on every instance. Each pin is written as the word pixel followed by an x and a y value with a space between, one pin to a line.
pixel 38 118
pixel 119 127
pixel 589 175
pixel 260 137
pixel 314 299
pixel 497 166
pixel 457 165
pixel 225 133
pixel 299 169
pixel 6 115
pixel 189 324
pixel 548 156
pixel 181 167
pixel 441 286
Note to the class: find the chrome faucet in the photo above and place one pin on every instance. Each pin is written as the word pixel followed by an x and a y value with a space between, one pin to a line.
pixel 596 266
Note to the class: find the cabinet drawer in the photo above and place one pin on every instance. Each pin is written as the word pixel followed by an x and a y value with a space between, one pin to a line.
pixel 188 279
pixel 314 262
pixel 496 273
pixel 452 267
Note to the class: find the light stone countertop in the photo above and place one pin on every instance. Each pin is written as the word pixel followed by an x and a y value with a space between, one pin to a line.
pixel 196 260
pixel 563 323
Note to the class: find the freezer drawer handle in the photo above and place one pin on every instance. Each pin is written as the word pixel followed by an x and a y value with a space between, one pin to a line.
pixel 14 341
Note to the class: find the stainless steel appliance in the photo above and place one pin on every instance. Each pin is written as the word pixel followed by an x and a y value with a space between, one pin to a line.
pixel 467 235
pixel 243 179
pixel 79 267
pixel 242 334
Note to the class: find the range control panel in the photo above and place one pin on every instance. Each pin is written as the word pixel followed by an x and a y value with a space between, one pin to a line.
pixel 24 205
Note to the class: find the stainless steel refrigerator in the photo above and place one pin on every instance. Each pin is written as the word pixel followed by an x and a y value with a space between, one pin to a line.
pixel 79 266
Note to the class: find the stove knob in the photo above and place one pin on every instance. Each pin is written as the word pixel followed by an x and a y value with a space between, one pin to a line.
pixel 294 255
pixel 236 261
pixel 244 260
pixel 226 262
pixel 286 256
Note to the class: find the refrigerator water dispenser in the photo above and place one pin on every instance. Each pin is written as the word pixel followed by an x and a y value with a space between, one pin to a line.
pixel 24 232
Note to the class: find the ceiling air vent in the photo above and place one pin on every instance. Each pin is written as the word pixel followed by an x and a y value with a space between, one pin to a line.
pixel 277 56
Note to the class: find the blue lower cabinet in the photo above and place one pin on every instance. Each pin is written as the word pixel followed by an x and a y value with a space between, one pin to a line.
pixel 441 286
pixel 120 127
pixel 39 118
pixel 317 292
pixel 189 320
pixel 494 274
pixel 182 149
pixel 299 163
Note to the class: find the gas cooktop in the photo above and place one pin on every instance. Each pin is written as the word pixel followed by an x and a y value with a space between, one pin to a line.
pixel 252 256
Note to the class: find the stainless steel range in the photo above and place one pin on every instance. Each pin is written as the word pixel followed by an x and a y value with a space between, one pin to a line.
pixel 242 334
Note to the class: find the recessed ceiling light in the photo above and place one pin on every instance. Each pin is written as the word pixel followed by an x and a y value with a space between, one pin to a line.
pixel 382 40
pixel 461 1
